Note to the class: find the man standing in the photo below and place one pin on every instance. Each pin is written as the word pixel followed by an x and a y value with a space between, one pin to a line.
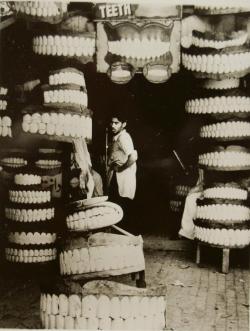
pixel 121 174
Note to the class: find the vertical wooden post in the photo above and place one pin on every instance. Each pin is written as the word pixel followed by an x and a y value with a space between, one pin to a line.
pixel 225 260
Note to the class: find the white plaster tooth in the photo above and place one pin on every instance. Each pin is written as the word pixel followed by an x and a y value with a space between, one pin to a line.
pixel 117 324
pixel 59 322
pixel 103 306
pixel 80 323
pixel 75 306
pixel 92 323
pixel 89 306
pixel 69 322
pixel 42 317
pixel 153 304
pixel 105 323
pixel 48 304
pixel 115 309
pixel 46 321
pixel 144 305
pixel 125 307
pixel 63 305
pixel 52 322
pixel 55 304
pixel 134 306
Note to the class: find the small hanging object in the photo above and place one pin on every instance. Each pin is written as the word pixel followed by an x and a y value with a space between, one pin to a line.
pixel 157 73
pixel 121 72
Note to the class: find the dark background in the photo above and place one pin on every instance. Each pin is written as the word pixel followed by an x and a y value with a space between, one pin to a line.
pixel 156 120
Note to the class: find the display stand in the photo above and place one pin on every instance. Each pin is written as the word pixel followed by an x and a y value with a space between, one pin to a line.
pixel 225 254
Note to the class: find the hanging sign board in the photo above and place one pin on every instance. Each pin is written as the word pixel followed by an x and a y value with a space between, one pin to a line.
pixel 143 38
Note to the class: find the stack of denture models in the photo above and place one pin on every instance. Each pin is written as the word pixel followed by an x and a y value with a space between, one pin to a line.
pixel 5 114
pixel 93 289
pixel 63 114
pixel 30 217
pixel 220 60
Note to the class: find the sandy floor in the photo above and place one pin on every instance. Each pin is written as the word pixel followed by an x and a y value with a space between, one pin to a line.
pixel 198 298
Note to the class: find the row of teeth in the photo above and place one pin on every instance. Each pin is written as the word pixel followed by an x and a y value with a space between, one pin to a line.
pixel 215 7
pixel 182 190
pixel 102 306
pixel 223 212
pixel 29 215
pixel 103 313
pixel 218 105
pixel 64 46
pixel 221 84
pixel 92 213
pixel 5 121
pixel 201 43
pixel 225 130
pixel 67 78
pixel 3 91
pixel 101 258
pixel 5 131
pixel 175 205
pixel 225 159
pixel 26 179
pixel 66 96
pixel 78 126
pixel 140 49
pixel 32 238
pixel 48 164
pixel 217 64
pixel 223 237
pixel 3 104
pixel 93 323
pixel 14 162
pixel 95 222
pixel 225 193
pixel 29 196
pixel 34 256
pixel 19 252
pixel 37 8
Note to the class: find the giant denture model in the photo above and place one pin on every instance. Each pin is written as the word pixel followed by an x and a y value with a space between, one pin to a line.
pixel 64 115
pixel 31 237
pixel 223 216
pixel 73 38
pixel 220 10
pixel 109 253
pixel 140 45
pixel 102 305
pixel 41 11
pixel 148 46
pixel 213 57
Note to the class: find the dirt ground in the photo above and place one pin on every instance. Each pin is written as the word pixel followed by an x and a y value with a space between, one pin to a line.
pixel 199 298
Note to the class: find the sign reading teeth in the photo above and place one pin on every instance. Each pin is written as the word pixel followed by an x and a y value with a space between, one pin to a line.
pixel 113 10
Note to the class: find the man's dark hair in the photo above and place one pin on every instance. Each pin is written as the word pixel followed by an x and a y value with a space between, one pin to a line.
pixel 120 115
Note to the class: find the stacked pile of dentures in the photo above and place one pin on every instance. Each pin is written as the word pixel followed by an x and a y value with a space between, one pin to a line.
pixel 221 59
pixel 5 114
pixel 30 220
pixel 64 114
pixel 61 112
pixel 88 250
pixel 82 298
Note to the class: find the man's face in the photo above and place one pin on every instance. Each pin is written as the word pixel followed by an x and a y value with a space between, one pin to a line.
pixel 116 125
